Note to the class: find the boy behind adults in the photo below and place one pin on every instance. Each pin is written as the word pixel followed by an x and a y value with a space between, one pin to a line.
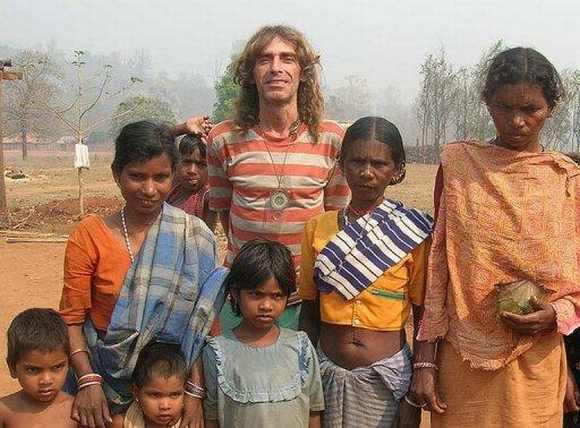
pixel 191 191
pixel 38 350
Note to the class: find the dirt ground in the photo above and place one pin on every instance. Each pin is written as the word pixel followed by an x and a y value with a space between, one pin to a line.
pixel 30 277
pixel 31 273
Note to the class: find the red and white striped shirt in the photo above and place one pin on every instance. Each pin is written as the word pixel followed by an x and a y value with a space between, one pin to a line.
pixel 245 167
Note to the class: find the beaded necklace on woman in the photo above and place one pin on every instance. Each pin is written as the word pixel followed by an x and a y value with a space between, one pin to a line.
pixel 123 215
pixel 355 214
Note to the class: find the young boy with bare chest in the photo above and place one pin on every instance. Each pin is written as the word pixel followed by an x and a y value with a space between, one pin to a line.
pixel 38 355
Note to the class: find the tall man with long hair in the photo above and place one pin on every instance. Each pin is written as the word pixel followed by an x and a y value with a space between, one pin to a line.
pixel 273 167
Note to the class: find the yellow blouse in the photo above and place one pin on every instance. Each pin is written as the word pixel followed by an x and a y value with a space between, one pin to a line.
pixel 383 306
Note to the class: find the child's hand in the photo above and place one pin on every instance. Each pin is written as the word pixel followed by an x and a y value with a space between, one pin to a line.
pixel 192 413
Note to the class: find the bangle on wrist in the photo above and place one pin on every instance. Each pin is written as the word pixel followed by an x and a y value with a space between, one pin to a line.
pixel 78 351
pixel 194 390
pixel 412 403
pixel 193 394
pixel 425 365
pixel 88 380
pixel 89 375
pixel 194 386
pixel 84 385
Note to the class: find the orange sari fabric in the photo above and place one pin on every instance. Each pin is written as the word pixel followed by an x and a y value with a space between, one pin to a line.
pixel 526 393
pixel 503 216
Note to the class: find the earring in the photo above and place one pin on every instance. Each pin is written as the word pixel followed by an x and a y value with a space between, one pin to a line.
pixel 400 176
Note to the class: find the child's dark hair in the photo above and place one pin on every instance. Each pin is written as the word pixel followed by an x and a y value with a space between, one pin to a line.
pixel 159 359
pixel 189 143
pixel 257 262
pixel 36 329
pixel 143 141
pixel 523 65
pixel 373 128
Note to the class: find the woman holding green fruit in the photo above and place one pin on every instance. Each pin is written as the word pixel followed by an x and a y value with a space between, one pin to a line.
pixel 507 237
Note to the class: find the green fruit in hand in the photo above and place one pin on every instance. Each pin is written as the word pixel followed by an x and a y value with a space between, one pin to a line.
pixel 508 305
pixel 516 297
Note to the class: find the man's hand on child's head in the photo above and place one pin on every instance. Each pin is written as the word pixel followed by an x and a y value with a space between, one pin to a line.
pixel 199 125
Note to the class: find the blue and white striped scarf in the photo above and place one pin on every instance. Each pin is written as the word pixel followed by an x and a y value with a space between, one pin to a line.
pixel 362 251
pixel 171 293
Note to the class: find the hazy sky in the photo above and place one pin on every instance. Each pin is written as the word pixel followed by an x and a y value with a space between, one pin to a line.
pixel 382 40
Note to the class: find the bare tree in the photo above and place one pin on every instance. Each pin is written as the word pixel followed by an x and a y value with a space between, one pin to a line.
pixel 462 90
pixel 391 105
pixel 436 98
pixel 463 104
pixel 559 132
pixel 576 118
pixel 40 84
pixel 481 124
pixel 424 109
pixel 138 108
pixel 349 101
pixel 74 113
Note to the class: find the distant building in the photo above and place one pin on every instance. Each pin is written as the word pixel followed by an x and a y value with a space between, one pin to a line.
pixel 31 138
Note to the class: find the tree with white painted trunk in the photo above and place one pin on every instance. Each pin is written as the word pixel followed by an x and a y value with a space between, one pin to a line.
pixel 74 114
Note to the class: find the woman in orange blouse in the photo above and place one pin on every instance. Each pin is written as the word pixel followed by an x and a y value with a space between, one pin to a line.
pixel 362 270
pixel 105 262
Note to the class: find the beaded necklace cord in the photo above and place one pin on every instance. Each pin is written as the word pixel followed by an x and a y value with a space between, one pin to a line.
pixel 126 234
pixel 123 215
pixel 357 213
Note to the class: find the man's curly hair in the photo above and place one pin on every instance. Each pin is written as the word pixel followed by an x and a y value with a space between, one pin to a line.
pixel 310 100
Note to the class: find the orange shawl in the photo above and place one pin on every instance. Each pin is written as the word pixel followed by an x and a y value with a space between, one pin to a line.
pixel 504 216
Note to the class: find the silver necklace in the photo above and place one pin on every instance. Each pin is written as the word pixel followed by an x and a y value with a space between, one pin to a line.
pixel 279 198
pixel 126 234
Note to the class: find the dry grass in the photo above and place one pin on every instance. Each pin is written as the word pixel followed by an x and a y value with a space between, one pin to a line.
pixel 417 189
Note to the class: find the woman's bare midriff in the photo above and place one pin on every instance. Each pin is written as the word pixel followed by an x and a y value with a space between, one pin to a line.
pixel 352 347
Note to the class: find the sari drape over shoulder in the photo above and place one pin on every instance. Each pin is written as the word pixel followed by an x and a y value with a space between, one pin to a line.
pixel 504 216
pixel 361 252
pixel 171 294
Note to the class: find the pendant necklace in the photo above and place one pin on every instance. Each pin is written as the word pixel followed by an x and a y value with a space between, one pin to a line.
pixel 279 198
pixel 126 234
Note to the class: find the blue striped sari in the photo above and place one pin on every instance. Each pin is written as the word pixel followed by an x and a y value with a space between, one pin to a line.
pixel 362 251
